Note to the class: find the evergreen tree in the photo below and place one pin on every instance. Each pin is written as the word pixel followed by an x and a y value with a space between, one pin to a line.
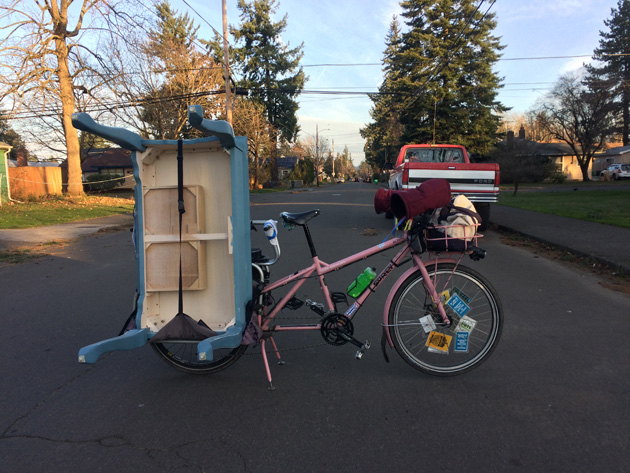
pixel 614 55
pixel 181 75
pixel 9 136
pixel 441 75
pixel 384 134
pixel 270 69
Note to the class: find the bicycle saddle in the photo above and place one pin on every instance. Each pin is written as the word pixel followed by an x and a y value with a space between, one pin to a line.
pixel 299 218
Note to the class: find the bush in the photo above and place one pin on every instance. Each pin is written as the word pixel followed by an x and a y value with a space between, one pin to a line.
pixel 558 177
pixel 103 182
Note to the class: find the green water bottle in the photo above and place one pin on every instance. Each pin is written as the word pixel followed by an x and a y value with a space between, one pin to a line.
pixel 360 283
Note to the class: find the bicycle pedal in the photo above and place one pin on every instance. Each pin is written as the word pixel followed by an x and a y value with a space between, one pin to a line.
pixel 362 350
pixel 338 297
pixel 294 303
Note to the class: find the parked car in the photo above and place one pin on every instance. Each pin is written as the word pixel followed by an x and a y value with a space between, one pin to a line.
pixel 616 172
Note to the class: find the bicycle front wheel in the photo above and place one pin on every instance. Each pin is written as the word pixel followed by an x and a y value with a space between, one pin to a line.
pixel 183 357
pixel 421 337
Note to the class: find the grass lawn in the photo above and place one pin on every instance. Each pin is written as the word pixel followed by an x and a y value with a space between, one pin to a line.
pixel 610 206
pixel 54 210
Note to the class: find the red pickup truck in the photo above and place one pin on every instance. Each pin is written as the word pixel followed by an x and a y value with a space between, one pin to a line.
pixel 478 182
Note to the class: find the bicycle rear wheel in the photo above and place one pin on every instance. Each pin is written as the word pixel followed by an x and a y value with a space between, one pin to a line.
pixel 183 357
pixel 421 337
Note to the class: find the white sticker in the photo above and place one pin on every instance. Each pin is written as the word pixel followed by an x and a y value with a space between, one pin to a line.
pixel 466 324
pixel 428 323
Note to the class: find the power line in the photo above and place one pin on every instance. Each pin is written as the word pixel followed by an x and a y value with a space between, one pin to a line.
pixel 202 18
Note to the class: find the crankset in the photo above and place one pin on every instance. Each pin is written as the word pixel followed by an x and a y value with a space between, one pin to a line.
pixel 337 329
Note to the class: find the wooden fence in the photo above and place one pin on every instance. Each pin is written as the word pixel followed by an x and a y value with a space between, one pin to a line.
pixel 28 181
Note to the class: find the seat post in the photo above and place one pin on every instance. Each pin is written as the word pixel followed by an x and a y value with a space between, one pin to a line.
pixel 310 241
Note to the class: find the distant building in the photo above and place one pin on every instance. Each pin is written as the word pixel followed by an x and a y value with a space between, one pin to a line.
pixel 285 165
pixel 559 153
pixel 105 161
pixel 617 155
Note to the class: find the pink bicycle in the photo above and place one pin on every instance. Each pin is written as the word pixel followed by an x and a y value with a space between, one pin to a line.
pixel 442 317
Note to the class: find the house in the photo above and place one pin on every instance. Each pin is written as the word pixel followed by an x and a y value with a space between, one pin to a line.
pixel 285 165
pixel 105 161
pixel 559 153
pixel 617 155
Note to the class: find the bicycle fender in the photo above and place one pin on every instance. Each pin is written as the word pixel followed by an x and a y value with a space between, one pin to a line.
pixel 388 303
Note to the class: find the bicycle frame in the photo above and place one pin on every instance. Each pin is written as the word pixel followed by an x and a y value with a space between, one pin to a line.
pixel 319 268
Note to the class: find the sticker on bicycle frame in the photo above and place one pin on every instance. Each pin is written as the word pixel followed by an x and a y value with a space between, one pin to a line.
pixel 444 296
pixel 458 305
pixel 352 310
pixel 466 324
pixel 461 342
pixel 428 324
pixel 438 342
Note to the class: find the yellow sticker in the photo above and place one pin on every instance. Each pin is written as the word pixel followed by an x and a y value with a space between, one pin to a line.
pixel 439 341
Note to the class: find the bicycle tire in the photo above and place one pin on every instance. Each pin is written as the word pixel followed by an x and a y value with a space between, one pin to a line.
pixel 412 302
pixel 183 357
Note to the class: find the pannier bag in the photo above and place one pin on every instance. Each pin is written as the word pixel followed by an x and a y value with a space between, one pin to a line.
pixel 382 200
pixel 453 226
pixel 431 194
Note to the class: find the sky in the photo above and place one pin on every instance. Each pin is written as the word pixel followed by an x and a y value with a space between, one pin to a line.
pixel 344 42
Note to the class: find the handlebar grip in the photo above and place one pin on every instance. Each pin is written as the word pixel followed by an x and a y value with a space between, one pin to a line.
pixel 271 230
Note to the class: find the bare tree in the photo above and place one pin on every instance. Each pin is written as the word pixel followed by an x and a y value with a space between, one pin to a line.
pixel 48 59
pixel 173 72
pixel 250 120
pixel 581 117
pixel 520 162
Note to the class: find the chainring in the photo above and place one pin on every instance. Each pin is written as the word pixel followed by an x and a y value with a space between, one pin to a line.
pixel 332 327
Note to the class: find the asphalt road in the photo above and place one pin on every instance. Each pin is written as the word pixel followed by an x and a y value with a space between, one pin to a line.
pixel 553 396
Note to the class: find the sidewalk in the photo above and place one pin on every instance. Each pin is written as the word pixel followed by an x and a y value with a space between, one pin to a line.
pixel 10 239
pixel 604 243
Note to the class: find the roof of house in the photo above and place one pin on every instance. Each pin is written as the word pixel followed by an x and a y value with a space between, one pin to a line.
pixel 287 161
pixel 35 164
pixel 546 149
pixel 617 151
pixel 95 159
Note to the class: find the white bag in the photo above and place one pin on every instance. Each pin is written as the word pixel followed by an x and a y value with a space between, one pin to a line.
pixel 459 217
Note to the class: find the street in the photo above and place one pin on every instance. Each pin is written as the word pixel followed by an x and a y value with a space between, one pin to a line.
pixel 552 397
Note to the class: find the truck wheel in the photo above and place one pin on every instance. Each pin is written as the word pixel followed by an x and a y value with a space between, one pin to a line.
pixel 484 212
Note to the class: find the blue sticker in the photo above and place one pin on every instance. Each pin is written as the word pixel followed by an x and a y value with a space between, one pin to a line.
pixel 458 305
pixel 461 342
pixel 351 311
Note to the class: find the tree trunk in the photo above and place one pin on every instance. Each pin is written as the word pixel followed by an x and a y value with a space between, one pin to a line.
pixel 75 182
pixel 625 104
pixel 584 168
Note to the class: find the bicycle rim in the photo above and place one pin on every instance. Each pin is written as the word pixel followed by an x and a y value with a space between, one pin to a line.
pixel 434 348
pixel 183 357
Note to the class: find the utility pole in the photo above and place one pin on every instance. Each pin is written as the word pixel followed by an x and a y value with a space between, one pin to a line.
pixel 226 59
pixel 317 154
pixel 333 157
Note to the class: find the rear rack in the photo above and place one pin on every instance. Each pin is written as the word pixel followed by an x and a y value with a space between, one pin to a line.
pixel 451 238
